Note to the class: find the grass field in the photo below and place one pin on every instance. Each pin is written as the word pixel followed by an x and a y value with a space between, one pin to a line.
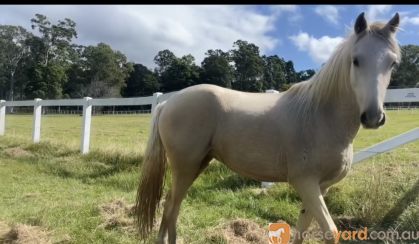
pixel 52 186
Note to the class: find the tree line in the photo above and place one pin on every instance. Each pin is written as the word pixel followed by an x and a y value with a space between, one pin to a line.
pixel 50 65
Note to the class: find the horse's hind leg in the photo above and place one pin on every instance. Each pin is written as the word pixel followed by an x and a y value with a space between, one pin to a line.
pixel 182 179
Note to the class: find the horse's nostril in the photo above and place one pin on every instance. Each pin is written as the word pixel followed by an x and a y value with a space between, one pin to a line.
pixel 364 118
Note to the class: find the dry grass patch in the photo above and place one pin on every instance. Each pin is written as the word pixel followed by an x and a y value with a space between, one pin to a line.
pixel 23 234
pixel 239 231
pixel 17 152
pixel 118 215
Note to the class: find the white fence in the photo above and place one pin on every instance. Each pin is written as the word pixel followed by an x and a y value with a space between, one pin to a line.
pixel 86 103
pixel 387 145
pixel 393 95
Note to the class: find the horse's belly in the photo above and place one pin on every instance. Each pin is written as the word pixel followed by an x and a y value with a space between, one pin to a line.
pixel 252 146
pixel 257 165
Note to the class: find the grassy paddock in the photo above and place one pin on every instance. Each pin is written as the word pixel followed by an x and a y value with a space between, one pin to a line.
pixel 51 185
pixel 128 133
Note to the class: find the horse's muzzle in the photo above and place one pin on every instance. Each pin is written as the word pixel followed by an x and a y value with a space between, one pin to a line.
pixel 373 120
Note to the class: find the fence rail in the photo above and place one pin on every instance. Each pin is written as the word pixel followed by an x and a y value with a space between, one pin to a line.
pixel 392 96
pixel 87 103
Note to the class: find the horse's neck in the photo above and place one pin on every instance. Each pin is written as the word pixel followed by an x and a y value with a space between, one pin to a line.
pixel 342 110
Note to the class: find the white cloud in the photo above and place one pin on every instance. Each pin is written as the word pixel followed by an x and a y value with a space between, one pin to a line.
pixel 329 13
pixel 296 18
pixel 140 31
pixel 293 12
pixel 318 49
pixel 411 20
pixel 408 18
pixel 284 8
pixel 377 12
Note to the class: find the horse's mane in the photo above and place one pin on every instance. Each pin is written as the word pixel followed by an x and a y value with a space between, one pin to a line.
pixel 333 78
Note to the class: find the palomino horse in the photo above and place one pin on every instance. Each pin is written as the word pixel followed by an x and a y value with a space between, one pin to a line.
pixel 302 136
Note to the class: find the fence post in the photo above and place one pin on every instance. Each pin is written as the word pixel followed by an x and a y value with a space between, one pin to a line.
pixel 37 113
pixel 2 117
pixel 264 183
pixel 271 91
pixel 87 119
pixel 156 96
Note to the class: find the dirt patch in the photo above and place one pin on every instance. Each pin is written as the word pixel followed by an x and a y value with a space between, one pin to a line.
pixel 348 223
pixel 21 233
pixel 17 152
pixel 239 231
pixel 118 215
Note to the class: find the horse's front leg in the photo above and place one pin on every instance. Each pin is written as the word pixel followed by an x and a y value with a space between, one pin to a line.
pixel 314 206
pixel 304 220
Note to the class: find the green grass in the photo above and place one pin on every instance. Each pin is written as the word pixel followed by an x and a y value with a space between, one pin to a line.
pixel 51 185
pixel 127 133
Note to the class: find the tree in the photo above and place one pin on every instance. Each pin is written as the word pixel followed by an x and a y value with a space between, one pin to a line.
pixel 46 81
pixel 216 69
pixel 56 38
pixel 77 84
pixel 78 81
pixel 164 59
pixel 291 75
pixel 248 66
pixel 106 70
pixel 141 82
pixel 407 74
pixel 274 74
pixel 13 48
pixel 44 73
pixel 305 74
pixel 176 73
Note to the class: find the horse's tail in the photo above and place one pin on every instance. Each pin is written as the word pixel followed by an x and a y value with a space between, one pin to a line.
pixel 151 184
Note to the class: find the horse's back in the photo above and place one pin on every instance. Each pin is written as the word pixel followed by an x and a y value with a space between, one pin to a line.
pixel 205 102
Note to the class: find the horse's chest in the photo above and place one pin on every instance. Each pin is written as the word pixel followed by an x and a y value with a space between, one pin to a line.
pixel 336 167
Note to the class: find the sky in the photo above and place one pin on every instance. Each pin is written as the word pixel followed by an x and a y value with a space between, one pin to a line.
pixel 305 34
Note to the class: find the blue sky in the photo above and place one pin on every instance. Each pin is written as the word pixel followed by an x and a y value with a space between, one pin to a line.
pixel 305 34
pixel 334 21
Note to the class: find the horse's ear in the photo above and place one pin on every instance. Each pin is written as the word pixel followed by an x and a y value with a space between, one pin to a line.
pixel 393 24
pixel 360 23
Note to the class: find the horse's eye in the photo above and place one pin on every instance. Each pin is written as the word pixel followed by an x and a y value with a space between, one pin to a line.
pixel 394 64
pixel 356 63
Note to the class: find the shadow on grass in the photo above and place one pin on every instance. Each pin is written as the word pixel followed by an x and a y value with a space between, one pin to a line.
pixel 99 164
pixel 400 206
pixel 64 162
pixel 47 150
pixel 86 177
pixel 219 177
pixel 233 182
